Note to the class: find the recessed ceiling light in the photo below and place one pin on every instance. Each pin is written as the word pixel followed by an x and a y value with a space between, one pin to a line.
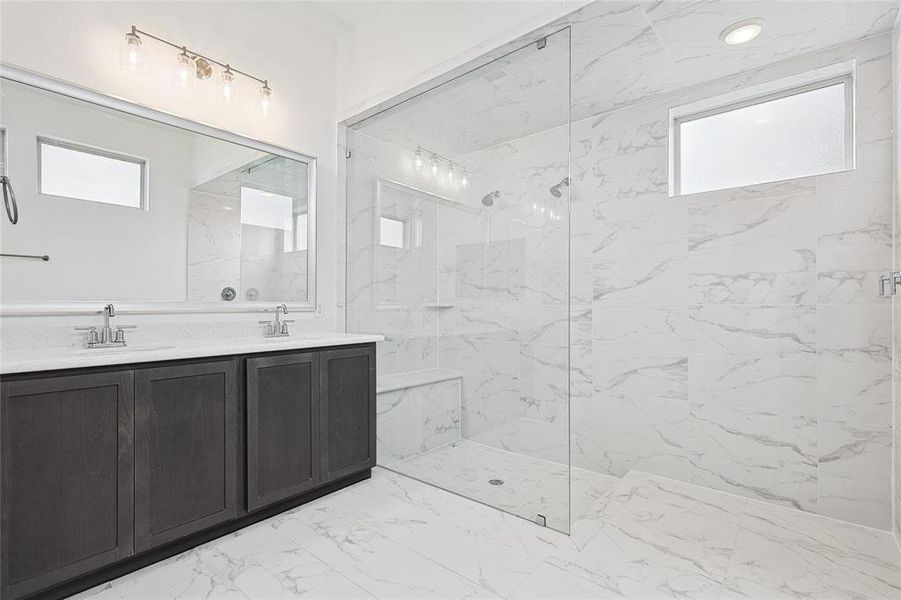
pixel 741 32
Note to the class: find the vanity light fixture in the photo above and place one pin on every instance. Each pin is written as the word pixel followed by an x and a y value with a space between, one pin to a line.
pixel 455 172
pixel 131 55
pixel 228 85
pixel 192 66
pixel 742 32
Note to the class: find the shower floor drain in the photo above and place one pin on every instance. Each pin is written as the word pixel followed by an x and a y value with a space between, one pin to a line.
pixel 496 481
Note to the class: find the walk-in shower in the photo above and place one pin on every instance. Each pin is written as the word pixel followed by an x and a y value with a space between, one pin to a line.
pixel 666 260
pixel 473 293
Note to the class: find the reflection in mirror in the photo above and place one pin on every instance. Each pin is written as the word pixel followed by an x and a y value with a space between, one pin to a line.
pixel 134 210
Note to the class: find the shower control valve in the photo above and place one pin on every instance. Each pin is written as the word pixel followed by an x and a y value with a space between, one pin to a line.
pixel 888 283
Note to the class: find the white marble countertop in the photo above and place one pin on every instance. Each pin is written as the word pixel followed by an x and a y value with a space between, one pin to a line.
pixel 27 361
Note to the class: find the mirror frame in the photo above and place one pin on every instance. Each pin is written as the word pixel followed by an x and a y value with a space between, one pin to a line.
pixel 70 90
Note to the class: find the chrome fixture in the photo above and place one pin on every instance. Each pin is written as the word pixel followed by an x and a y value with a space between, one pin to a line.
pixel 277 327
pixel 43 257
pixel 191 66
pixel 557 190
pixel 435 161
pixel 106 338
pixel 489 198
pixel 888 283
pixel 9 199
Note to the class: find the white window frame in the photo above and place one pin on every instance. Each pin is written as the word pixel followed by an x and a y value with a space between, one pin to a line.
pixel 76 147
pixel 840 73
pixel 405 232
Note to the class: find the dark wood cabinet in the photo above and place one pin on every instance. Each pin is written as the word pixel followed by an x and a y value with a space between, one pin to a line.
pixel 282 427
pixel 105 470
pixel 348 411
pixel 67 485
pixel 186 450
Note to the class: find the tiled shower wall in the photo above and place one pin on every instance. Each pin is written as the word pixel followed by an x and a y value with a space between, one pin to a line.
pixel 736 337
pixel 733 339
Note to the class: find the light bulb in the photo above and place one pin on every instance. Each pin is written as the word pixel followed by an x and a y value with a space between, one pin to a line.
pixel 265 98
pixel 418 160
pixel 464 180
pixel 450 173
pixel 183 70
pixel 131 52
pixel 434 165
pixel 228 86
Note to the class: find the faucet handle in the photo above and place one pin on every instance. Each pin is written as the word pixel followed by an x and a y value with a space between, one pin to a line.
pixel 92 335
pixel 284 330
pixel 268 325
pixel 120 333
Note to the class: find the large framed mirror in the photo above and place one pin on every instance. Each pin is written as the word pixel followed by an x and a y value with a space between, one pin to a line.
pixel 120 203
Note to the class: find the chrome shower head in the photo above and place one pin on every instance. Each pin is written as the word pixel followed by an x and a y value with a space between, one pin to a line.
pixel 489 198
pixel 557 190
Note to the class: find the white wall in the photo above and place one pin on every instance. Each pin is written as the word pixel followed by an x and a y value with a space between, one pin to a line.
pixel 408 43
pixel 283 42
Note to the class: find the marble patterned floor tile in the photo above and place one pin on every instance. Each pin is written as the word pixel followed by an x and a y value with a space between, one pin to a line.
pixel 642 536
pixel 781 553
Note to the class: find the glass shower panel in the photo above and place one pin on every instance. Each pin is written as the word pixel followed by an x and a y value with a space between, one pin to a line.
pixel 458 252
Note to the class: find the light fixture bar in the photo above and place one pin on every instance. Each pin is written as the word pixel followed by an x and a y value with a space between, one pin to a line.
pixel 422 150
pixel 195 55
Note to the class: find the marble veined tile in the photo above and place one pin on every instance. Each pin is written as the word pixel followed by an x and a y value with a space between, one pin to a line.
pixel 765 277
pixel 756 453
pixel 789 554
pixel 855 333
pixel 859 214
pixel 777 385
pixel 748 330
pixel 850 273
pixel 649 277
pixel 769 223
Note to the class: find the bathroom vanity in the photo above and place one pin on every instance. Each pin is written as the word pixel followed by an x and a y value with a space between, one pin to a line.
pixel 114 460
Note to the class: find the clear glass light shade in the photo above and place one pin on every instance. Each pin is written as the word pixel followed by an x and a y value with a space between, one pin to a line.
pixel 435 166
pixel 450 174
pixel 228 88
pixel 464 180
pixel 417 160
pixel 130 53
pixel 184 71
pixel 265 99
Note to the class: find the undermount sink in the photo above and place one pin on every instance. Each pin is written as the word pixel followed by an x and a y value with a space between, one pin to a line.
pixel 120 350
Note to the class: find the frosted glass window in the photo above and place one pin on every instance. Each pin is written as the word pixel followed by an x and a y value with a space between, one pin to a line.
pixel 391 232
pixel 265 209
pixel 83 173
pixel 794 134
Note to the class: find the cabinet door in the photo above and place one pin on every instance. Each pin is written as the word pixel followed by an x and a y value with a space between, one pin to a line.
pixel 348 411
pixel 67 489
pixel 282 427
pixel 186 450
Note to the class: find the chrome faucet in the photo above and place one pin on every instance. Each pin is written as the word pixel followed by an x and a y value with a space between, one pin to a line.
pixel 278 327
pixel 106 337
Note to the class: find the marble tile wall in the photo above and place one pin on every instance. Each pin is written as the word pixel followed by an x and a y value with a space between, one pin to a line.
pixel 736 336
pixel 733 339
pixel 417 419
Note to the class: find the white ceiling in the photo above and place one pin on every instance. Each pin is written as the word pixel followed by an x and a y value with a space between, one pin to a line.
pixel 622 51
pixel 350 14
